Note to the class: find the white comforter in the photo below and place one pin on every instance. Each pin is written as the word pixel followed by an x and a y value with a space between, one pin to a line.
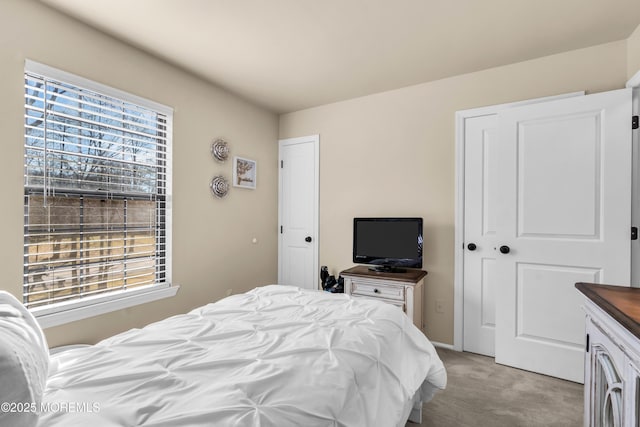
pixel 275 356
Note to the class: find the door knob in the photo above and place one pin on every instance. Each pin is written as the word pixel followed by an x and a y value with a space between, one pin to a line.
pixel 505 249
pixel 307 239
pixel 471 246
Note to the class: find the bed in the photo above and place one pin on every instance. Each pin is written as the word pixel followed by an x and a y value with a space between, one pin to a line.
pixel 274 356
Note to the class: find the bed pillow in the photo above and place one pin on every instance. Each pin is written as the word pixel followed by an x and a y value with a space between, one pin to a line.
pixel 24 363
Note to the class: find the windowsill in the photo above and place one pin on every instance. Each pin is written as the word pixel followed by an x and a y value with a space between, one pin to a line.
pixel 93 306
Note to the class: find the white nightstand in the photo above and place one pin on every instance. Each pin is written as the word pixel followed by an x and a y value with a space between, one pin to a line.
pixel 404 290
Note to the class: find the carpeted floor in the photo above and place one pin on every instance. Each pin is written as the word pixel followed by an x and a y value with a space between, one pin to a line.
pixel 481 393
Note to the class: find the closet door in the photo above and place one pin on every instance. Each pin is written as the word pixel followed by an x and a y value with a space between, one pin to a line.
pixel 479 132
pixel 298 212
pixel 563 216
pixel 480 234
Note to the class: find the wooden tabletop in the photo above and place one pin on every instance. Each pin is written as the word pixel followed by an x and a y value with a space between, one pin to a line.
pixel 410 276
pixel 620 302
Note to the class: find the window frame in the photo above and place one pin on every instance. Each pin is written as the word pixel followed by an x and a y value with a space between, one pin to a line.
pixel 89 306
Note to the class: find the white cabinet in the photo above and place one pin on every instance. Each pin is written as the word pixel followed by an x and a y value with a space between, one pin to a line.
pixel 404 290
pixel 612 360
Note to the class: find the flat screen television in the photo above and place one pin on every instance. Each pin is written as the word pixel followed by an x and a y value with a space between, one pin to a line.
pixel 388 244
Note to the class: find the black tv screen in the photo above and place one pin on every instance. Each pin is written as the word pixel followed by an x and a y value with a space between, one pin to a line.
pixel 390 243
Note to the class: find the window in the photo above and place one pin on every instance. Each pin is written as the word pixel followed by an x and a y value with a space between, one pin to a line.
pixel 97 165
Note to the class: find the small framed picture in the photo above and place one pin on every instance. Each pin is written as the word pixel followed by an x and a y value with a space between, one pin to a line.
pixel 244 173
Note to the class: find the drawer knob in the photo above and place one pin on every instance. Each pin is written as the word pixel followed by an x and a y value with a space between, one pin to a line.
pixel 377 291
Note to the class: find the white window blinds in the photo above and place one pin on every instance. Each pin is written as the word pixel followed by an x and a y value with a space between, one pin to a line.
pixel 95 191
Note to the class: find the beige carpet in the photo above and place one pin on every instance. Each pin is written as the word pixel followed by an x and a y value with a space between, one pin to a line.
pixel 484 394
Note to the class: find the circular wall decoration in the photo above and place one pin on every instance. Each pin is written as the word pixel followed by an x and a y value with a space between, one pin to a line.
pixel 220 150
pixel 219 186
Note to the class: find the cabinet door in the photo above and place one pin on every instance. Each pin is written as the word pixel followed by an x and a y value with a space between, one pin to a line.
pixel 606 388
pixel 632 394
pixel 608 397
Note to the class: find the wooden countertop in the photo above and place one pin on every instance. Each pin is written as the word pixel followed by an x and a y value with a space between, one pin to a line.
pixel 620 302
pixel 411 276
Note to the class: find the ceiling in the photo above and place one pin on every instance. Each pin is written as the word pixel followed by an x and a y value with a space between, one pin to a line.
pixel 288 55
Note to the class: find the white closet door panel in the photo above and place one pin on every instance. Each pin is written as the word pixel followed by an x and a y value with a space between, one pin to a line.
pixel 297 263
pixel 564 212
pixel 480 230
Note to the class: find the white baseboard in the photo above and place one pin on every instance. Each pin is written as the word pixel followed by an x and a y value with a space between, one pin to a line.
pixel 442 345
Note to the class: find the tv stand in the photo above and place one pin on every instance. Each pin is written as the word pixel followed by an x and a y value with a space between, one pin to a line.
pixel 387 269
pixel 402 289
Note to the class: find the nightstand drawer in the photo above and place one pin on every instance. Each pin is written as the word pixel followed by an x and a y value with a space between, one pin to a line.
pixel 376 289
pixel 399 304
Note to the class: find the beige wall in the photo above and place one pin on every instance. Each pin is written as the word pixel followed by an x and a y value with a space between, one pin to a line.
pixel 212 238
pixel 392 154
pixel 633 53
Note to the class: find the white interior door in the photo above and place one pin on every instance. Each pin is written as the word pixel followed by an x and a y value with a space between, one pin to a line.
pixel 564 216
pixel 298 212
pixel 478 129
pixel 479 234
